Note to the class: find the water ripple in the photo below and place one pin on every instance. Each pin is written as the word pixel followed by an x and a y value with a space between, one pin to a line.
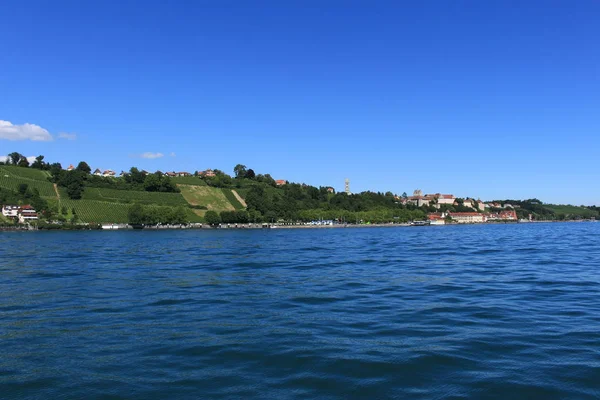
pixel 450 312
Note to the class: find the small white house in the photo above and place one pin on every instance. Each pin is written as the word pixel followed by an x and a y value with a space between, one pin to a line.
pixel 10 211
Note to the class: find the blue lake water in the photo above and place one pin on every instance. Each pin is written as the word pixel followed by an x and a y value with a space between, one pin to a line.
pixel 492 311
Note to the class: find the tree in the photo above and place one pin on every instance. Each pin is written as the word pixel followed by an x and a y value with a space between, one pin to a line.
pixel 239 170
pixel 39 162
pixel 134 176
pixel 157 182
pixel 24 162
pixel 75 190
pixel 250 174
pixel 212 218
pixel 83 167
pixel 14 158
pixel 73 181
pixel 404 195
pixel 23 187
pixel 136 215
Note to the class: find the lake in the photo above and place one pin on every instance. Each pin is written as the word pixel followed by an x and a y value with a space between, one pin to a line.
pixel 480 311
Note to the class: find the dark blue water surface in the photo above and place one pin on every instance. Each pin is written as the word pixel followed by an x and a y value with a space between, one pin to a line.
pixel 432 312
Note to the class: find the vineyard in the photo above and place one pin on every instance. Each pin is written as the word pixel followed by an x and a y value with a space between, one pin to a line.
pixel 232 199
pixel 188 180
pixel 132 196
pixel 112 205
pixel 212 198
pixel 97 211
pixel 26 173
pixel 12 177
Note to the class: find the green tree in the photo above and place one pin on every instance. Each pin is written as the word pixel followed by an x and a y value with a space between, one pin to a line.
pixel 239 170
pixel 212 218
pixel 250 174
pixel 23 187
pixel 39 163
pixel 24 162
pixel 83 167
pixel 136 215
pixel 75 191
pixel 14 158
pixel 134 176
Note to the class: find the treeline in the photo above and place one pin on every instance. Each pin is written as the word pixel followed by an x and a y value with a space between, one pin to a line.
pixel 379 216
pixel 243 177
pixel 77 180
pixel 157 215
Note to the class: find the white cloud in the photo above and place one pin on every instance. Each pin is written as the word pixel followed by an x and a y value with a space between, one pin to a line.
pixel 67 136
pixel 151 155
pixel 33 132
pixel 172 154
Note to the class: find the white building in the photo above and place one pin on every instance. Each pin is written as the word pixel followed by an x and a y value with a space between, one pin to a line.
pixel 10 211
pixel 468 217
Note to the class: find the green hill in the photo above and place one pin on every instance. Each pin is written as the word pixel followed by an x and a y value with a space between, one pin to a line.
pixel 112 205
pixel 569 210
pixel 12 177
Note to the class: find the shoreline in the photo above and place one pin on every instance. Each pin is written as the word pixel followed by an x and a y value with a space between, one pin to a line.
pixel 260 226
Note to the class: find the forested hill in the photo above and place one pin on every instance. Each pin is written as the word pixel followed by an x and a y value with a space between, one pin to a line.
pixel 150 198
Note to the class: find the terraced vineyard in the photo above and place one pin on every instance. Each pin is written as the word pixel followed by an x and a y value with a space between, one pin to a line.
pixel 210 197
pixel 131 196
pixel 188 180
pixel 97 211
pixel 233 200
pixel 12 177
pixel 102 205
pixel 27 173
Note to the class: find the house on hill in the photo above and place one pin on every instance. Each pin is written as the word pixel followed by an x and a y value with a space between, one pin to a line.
pixel 71 168
pixel 109 173
pixel 170 174
pixel 208 173
pixel 280 182
pixel 97 172
pixel 27 213
pixel 330 190
pixel 11 212
pixel 448 199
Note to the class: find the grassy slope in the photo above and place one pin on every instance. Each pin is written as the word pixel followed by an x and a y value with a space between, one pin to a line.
pixel 570 210
pixel 212 198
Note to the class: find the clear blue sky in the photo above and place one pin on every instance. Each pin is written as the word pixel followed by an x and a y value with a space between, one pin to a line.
pixel 491 99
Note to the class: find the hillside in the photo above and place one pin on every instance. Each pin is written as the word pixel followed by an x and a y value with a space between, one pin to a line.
pixel 569 211
pixel 218 197
pixel 103 205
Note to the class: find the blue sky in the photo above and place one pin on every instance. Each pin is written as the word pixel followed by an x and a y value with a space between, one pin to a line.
pixel 491 99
